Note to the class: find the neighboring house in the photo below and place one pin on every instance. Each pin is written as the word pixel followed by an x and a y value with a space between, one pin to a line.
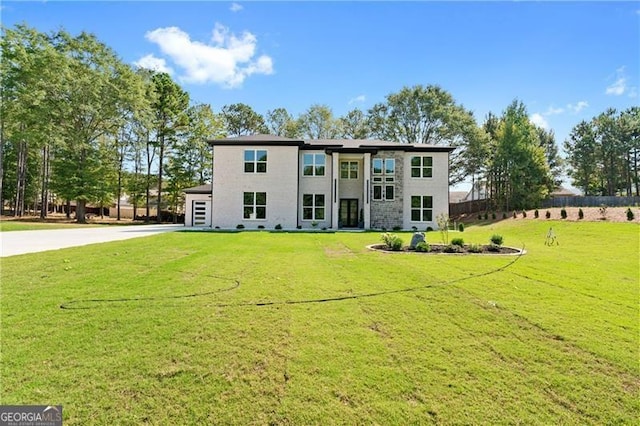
pixel 264 181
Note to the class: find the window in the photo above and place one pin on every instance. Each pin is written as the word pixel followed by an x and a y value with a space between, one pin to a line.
pixel 421 167
pixel 384 175
pixel 313 207
pixel 383 192
pixel 255 161
pixel 255 205
pixel 421 208
pixel 349 170
pixel 313 164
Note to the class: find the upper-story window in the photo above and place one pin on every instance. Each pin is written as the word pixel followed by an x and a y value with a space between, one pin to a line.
pixel 348 170
pixel 255 161
pixel 384 173
pixel 421 167
pixel 313 164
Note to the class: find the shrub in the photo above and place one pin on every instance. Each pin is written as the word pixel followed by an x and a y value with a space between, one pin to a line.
pixel 452 249
pixel 547 214
pixel 536 214
pixel 457 242
pixel 239 226
pixel 475 248
pixel 563 213
pixel 493 215
pixel 397 228
pixel 479 217
pixel 392 241
pixel 461 227
pixel 260 226
pixel 524 214
pixel 423 247
pixel 515 215
pixel 486 216
pixel 278 227
pixel 630 215
pixel 414 228
pixel 580 214
pixel 299 227
pixel 429 229
pixel 504 215
pixel 443 226
pixel 497 240
pixel 324 228
pixel 217 227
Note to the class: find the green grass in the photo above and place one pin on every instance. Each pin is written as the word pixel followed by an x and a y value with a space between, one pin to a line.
pixel 11 225
pixel 550 339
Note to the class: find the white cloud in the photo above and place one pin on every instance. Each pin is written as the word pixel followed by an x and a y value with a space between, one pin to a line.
pixel 539 120
pixel 150 62
pixel 359 98
pixel 235 7
pixel 577 107
pixel 619 86
pixel 228 60
pixel 554 111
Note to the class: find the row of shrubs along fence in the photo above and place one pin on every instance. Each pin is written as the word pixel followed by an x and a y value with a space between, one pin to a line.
pixel 467 207
pixel 591 201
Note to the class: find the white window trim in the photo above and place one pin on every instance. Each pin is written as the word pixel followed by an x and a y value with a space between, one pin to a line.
pixel 254 206
pixel 350 162
pixel 255 161
pixel 313 208
pixel 314 165
pixel 421 167
pixel 422 209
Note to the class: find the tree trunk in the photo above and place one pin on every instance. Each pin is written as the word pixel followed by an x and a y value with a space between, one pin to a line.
pixel 68 212
pixel 44 194
pixel 80 211
pixel 1 166
pixel 160 160
pixel 21 178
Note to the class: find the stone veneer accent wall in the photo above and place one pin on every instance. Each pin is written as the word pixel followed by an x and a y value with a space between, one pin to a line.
pixel 388 214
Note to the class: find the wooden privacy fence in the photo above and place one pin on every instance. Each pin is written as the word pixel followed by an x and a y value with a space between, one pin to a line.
pixel 475 206
pixel 591 201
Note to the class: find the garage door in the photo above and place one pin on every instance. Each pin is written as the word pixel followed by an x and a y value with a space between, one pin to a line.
pixel 201 213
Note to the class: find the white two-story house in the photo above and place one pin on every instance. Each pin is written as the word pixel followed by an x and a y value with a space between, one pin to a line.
pixel 262 181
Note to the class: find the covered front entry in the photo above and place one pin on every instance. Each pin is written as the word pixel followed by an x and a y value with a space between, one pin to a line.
pixel 349 212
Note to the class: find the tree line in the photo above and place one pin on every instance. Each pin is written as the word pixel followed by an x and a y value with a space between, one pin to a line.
pixel 79 125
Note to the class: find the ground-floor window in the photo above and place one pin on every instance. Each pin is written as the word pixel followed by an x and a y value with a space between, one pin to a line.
pixel 313 207
pixel 421 208
pixel 255 205
pixel 383 192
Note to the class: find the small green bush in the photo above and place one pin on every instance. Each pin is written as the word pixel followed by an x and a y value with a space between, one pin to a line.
pixel 239 226
pixel 392 241
pixel 397 228
pixel 515 215
pixel 475 248
pixel 603 211
pixel 630 215
pixel 429 229
pixel 547 214
pixel 479 217
pixel 504 215
pixel 461 227
pixel 563 213
pixel 457 242
pixel 452 249
pixel 580 214
pixel 414 228
pixel 423 247
pixel 536 214
pixel 497 240
pixel 524 214
pixel 486 216
pixel 260 226
pixel 278 227
pixel 493 215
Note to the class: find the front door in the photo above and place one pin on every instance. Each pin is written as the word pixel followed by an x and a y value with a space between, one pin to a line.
pixel 349 212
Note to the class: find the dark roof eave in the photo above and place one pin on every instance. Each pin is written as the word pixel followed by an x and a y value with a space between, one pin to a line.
pixel 223 142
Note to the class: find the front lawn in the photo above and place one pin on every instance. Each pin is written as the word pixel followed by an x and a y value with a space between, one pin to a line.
pixel 240 328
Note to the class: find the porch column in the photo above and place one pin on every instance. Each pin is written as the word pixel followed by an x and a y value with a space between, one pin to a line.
pixel 335 199
pixel 366 199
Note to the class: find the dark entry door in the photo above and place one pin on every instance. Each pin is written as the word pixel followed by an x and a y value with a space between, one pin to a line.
pixel 349 212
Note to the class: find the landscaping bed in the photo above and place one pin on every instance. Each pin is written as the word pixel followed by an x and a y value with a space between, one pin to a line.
pixel 450 249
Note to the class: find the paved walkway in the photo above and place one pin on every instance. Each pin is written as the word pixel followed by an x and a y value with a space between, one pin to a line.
pixel 21 242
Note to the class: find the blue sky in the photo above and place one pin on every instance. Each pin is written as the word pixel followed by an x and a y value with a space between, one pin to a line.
pixel 566 61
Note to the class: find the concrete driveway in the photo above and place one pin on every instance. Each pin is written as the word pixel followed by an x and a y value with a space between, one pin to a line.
pixel 21 242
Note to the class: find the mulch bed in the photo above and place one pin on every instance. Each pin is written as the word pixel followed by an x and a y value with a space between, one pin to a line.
pixel 440 248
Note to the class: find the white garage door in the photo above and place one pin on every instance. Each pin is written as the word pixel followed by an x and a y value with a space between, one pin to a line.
pixel 201 213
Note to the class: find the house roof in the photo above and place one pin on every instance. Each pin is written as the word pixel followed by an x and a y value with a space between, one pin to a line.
pixel 200 189
pixel 330 145
pixel 561 191
pixel 457 196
